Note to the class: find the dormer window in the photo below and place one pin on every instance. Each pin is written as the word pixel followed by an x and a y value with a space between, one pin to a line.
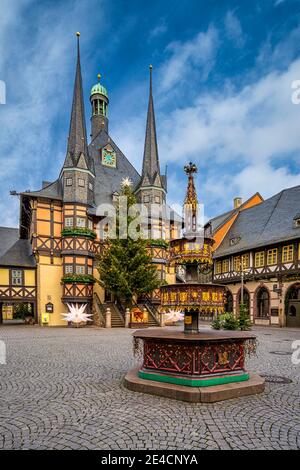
pixel 297 221
pixel 234 241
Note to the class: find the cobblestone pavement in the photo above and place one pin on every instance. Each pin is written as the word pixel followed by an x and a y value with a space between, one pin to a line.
pixel 62 389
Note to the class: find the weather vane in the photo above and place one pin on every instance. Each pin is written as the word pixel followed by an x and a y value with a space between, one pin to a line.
pixel 191 168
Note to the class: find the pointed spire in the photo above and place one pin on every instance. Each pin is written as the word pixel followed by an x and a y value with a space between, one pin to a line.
pixel 191 201
pixel 151 162
pixel 191 194
pixel 77 141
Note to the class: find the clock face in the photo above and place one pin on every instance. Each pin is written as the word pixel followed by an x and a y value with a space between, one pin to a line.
pixel 109 157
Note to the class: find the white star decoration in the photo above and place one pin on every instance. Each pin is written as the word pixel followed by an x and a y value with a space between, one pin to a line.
pixel 173 316
pixel 77 314
pixel 126 182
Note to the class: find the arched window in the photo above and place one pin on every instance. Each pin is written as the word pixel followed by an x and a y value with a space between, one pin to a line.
pixel 294 293
pixel 292 306
pixel 292 311
pixel 263 302
pixel 229 302
pixel 246 300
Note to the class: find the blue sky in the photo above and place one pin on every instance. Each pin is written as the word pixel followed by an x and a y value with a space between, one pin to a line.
pixel 222 87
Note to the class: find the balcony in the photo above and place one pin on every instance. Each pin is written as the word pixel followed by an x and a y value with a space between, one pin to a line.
pixel 77 292
pixel 185 251
pixel 78 232
pixel 204 297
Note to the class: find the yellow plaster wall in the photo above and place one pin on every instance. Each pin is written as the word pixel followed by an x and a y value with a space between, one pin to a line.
pixel 4 277
pixel 50 289
pixel 171 276
pixel 43 228
pixel 29 277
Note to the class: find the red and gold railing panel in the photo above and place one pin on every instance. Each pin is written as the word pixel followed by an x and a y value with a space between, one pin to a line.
pixel 207 297
pixel 188 251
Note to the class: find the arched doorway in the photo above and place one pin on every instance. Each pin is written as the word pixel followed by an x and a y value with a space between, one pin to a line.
pixel 262 303
pixel 229 302
pixel 246 300
pixel 292 306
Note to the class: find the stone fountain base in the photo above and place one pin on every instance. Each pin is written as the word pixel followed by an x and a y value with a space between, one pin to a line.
pixel 254 385
pixel 208 366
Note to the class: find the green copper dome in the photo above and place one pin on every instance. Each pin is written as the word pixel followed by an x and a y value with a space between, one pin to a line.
pixel 99 89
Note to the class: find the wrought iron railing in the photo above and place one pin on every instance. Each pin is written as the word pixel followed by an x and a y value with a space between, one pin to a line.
pixel 100 310
pixel 152 309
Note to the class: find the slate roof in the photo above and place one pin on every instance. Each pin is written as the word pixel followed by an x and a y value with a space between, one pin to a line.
pixel 108 180
pixel 150 161
pixel 15 251
pixel 77 150
pixel 267 223
pixel 52 191
pixel 216 222
pixel 8 236
pixel 219 220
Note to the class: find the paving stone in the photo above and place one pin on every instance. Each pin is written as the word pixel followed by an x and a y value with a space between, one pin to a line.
pixel 62 389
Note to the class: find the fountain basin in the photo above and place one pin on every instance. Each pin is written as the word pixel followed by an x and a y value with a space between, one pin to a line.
pixel 205 366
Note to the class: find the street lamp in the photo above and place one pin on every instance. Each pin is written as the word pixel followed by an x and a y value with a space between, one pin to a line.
pixel 243 272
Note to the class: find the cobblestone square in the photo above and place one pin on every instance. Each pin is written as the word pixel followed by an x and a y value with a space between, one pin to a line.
pixel 62 389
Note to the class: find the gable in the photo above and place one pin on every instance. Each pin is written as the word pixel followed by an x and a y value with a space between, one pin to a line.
pixel 108 179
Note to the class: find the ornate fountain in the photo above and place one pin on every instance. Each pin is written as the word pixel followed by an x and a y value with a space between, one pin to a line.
pixel 197 365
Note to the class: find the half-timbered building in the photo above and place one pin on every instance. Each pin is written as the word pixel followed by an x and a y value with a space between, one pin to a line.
pixel 259 260
pixel 50 260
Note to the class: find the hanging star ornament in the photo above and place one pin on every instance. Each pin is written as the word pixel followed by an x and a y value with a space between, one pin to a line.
pixel 77 314
pixel 126 182
pixel 173 316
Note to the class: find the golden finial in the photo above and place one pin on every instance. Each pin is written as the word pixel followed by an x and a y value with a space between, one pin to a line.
pixel 99 76
pixel 78 34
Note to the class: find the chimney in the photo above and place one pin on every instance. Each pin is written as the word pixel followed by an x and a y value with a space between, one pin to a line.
pixel 237 202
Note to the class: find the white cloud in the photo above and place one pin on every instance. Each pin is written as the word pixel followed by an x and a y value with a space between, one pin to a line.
pixel 262 177
pixel 234 29
pixel 258 122
pixel 186 58
pixel 282 54
pixel 279 2
pixel 239 140
pixel 39 69
pixel 159 29
pixel 242 139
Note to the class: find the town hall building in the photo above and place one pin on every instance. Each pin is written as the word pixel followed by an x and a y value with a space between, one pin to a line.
pixel 51 259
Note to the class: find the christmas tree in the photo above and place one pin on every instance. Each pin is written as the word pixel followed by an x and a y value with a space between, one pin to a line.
pixel 125 266
pixel 244 321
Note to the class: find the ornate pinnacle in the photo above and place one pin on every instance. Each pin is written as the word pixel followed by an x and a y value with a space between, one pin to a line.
pixel 190 169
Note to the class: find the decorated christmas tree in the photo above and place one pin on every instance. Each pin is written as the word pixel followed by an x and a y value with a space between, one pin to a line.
pixel 125 266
